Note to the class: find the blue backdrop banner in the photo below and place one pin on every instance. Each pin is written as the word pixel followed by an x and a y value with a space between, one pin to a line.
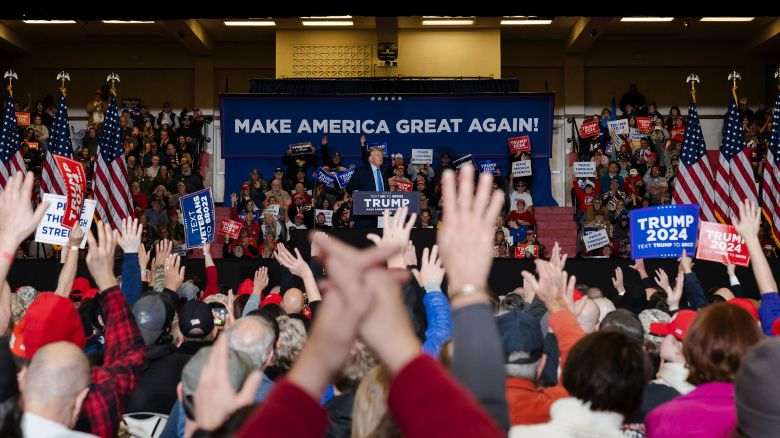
pixel 664 231
pixel 258 129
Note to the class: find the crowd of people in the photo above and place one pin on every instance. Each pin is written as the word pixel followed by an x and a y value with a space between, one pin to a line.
pixel 368 343
pixel 641 170
pixel 162 154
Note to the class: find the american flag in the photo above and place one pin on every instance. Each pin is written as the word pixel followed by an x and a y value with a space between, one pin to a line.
pixel 112 192
pixel 59 143
pixel 771 186
pixel 11 160
pixel 734 178
pixel 694 174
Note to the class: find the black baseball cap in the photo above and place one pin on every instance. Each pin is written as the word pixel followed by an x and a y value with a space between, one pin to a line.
pixel 196 319
pixel 520 332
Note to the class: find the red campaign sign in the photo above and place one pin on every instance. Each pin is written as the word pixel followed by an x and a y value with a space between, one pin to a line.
pixel 520 144
pixel 403 186
pixel 721 243
pixel 75 189
pixel 644 125
pixel 526 251
pixel 590 130
pixel 230 228
pixel 23 119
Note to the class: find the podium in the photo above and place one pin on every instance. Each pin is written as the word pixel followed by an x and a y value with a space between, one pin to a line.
pixel 366 204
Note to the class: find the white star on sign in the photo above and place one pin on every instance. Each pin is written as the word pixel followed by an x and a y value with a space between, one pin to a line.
pixel 386 98
pixel 372 98
pixel 399 97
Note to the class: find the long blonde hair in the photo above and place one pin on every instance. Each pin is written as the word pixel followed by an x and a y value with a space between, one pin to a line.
pixel 370 417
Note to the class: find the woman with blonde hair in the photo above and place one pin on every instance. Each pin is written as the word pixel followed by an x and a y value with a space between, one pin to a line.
pixel 370 417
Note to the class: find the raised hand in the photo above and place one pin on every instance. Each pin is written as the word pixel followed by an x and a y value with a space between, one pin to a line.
pixel 431 272
pixel 100 256
pixel 76 236
pixel 639 266
pixel 18 219
pixel 296 264
pixel 673 296
pixel 174 274
pixel 749 221
pixel 466 237
pixel 686 263
pixel 163 250
pixel 143 257
pixel 260 281
pixel 558 260
pixel 130 233
pixel 617 280
pixel 662 280
pixel 395 233
pixel 410 255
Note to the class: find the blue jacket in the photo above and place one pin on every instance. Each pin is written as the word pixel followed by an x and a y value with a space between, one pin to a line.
pixel 131 278
pixel 439 316
pixel 769 311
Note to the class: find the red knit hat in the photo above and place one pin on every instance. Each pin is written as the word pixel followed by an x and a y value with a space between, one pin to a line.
pixel 50 318
pixel 80 286
pixel 89 293
pixel 246 287
pixel 271 299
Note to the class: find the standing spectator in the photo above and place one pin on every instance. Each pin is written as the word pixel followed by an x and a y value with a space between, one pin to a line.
pixel 633 98
pixel 192 181
pixel 41 133
pixel 166 116
pixel 156 217
pixel 613 173
pixel 96 110
pixel 520 192
pixel 90 141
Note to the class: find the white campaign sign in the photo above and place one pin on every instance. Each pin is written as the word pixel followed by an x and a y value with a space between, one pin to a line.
pixel 328 216
pixel 618 126
pixel 273 209
pixel 584 169
pixel 422 156
pixel 521 168
pixel 50 230
pixel 596 240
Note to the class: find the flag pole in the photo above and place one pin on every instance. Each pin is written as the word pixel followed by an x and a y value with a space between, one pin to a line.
pixel 733 77
pixel 693 79
pixel 10 75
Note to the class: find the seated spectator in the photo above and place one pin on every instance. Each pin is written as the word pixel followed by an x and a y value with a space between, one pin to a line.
pixel 257 187
pixel 300 206
pixel 244 246
pixel 171 158
pixel 155 216
pixel 276 191
pixel 139 198
pixel 181 190
pixel 272 226
pixel 161 193
pixel 520 192
pixel 426 219
pixel 602 162
pixel 398 175
pixel 586 192
pixel 184 149
pixel 517 231
pixel 320 222
pixel 154 167
pixel 599 222
pixel 613 174
pixel 597 207
pixel 713 347
pixel 629 185
pixel 175 227
pixel 297 224
pixel 521 214
pixel 300 190
pixel 91 140
pixel 192 181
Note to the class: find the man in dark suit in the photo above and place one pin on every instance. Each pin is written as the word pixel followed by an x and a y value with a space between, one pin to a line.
pixel 370 177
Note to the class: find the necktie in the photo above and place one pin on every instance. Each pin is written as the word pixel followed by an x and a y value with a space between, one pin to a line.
pixel 379 186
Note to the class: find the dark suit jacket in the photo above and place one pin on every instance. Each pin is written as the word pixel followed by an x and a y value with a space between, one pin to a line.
pixel 363 179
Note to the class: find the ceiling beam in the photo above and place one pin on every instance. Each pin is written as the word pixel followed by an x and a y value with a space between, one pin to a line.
pixel 767 34
pixel 191 34
pixel 13 42
pixel 585 32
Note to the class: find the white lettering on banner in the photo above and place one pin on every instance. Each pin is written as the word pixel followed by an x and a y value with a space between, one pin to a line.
pixel 650 223
pixel 368 126
pixel 386 203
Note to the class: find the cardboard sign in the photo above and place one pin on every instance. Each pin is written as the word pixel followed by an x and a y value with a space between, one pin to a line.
pixel 721 243
pixel 273 209
pixel 328 214
pixel 379 144
pixel 31 144
pixel 618 127
pixel 422 156
pixel 644 124
pixel 520 144
pixel 342 178
pixel 75 188
pixel 403 186
pixel 595 240
pixel 590 130
pixel 488 166
pixel 326 178
pixel 584 169
pixel 521 168
pixel 51 230
pixel 198 212
pixel 23 119
pixel 462 161
pixel 663 231
pixel 375 203
pixel 305 148
pixel 524 251
pixel 635 135
pixel 229 228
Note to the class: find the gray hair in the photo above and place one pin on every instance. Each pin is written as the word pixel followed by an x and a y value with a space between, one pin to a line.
pixel 525 371
pixel 253 336
pixel 292 336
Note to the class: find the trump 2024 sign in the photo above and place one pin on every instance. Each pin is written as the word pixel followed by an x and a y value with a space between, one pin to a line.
pixel 664 231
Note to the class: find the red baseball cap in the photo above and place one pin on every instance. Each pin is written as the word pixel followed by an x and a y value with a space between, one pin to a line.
pixel 50 318
pixel 246 287
pixel 745 304
pixel 677 327
pixel 271 299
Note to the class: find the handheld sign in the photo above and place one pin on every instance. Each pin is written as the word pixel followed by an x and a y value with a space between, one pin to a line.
pixel 229 228
pixel 635 135
pixel 524 251
pixel 403 186
pixel 644 124
pixel 51 230
pixel 488 166
pixel 721 243
pixel 75 187
pixel 380 145
pixel 328 214
pixel 590 130
pixel 618 127
pixel 422 156
pixel 462 161
pixel 342 178
pixel 663 231
pixel 23 119
pixel 595 239
pixel 198 212
pixel 375 203
pixel 519 144
pixel 329 180
pixel 273 209
pixel 521 168
pixel 584 169
pixel 305 148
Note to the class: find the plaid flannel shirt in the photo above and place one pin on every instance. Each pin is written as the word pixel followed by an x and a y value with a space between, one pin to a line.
pixel 115 380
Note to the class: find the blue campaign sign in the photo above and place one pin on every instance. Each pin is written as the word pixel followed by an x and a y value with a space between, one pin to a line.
pixel 199 223
pixel 379 144
pixel 375 203
pixel 326 178
pixel 488 166
pixel 664 231
pixel 344 177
